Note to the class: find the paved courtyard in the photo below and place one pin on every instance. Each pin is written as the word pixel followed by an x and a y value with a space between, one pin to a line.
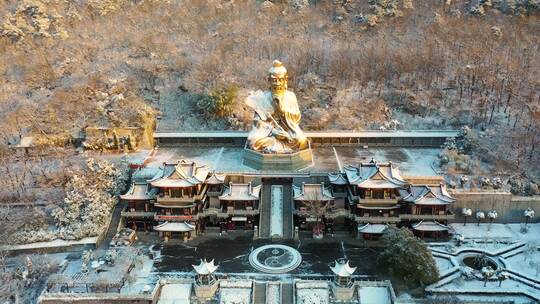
pixel 411 161
pixel 232 255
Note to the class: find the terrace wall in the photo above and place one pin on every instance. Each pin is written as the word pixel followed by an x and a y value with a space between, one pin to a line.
pixel 509 207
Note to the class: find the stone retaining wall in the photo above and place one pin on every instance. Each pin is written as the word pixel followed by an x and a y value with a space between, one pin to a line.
pixel 509 207
pixel 101 298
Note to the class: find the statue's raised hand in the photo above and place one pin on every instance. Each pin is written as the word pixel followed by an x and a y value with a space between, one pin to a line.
pixel 280 134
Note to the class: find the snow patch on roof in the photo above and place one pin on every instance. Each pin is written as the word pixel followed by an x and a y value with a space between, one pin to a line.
pixel 205 267
pixel 427 195
pixel 240 192
pixel 375 175
pixel 182 174
pixel 343 269
pixel 312 192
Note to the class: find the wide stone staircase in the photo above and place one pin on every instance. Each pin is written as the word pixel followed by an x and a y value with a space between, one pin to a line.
pixel 112 229
pixel 287 293
pixel 264 211
pixel 259 292
pixel 288 212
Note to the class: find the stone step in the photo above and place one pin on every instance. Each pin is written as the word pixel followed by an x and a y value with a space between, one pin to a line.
pixel 259 292
pixel 288 225
pixel 287 295
pixel 264 215
pixel 273 293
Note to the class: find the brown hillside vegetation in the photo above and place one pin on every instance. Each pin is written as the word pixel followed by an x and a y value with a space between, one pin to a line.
pixel 353 65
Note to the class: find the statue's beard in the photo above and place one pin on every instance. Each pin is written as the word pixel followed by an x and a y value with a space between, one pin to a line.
pixel 279 89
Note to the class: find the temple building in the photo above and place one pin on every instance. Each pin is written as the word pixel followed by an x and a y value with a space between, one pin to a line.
pixel 313 203
pixel 180 199
pixel 215 184
pixel 181 194
pixel 146 174
pixel 375 192
pixel 139 211
pixel 426 208
pixel 239 205
pixel 340 189
pixel 371 231
pixel 426 202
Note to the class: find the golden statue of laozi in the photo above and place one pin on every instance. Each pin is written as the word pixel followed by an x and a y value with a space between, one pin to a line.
pixel 277 116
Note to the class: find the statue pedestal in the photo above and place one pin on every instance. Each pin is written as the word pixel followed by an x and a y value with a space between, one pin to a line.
pixel 278 161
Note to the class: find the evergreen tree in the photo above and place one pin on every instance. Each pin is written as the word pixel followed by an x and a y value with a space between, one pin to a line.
pixel 407 257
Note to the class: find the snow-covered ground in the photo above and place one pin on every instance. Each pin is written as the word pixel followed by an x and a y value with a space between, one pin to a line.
pixel 374 295
pixel 516 253
pixel 484 231
pixel 235 296
pixel 276 215
pixel 312 293
pixel 273 295
pixel 51 244
pixel 443 264
pixel 312 296
pixel 527 263
pixel 235 292
pixel 175 294
pixel 498 231
pixel 462 286
pixel 142 277
pixel 411 161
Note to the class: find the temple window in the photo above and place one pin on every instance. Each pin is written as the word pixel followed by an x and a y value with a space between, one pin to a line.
pixel 176 193
pixel 377 194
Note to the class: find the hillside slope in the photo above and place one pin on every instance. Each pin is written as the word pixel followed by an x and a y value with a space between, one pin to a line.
pixel 353 64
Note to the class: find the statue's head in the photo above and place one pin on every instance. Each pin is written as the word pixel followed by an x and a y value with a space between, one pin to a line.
pixel 277 75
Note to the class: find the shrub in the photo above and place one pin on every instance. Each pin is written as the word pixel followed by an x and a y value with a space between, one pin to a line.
pixel 466 142
pixel 407 257
pixel 456 162
pixel 219 104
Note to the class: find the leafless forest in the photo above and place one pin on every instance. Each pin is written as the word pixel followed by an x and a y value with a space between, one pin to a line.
pixel 353 64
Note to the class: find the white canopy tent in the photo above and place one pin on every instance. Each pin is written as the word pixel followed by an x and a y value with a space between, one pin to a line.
pixel 175 227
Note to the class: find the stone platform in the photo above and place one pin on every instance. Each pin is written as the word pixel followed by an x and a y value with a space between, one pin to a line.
pixel 278 162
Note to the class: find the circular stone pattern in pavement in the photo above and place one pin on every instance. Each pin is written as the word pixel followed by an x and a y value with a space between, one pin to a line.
pixel 275 258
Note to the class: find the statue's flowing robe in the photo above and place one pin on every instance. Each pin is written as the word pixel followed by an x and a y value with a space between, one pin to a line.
pixel 281 114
